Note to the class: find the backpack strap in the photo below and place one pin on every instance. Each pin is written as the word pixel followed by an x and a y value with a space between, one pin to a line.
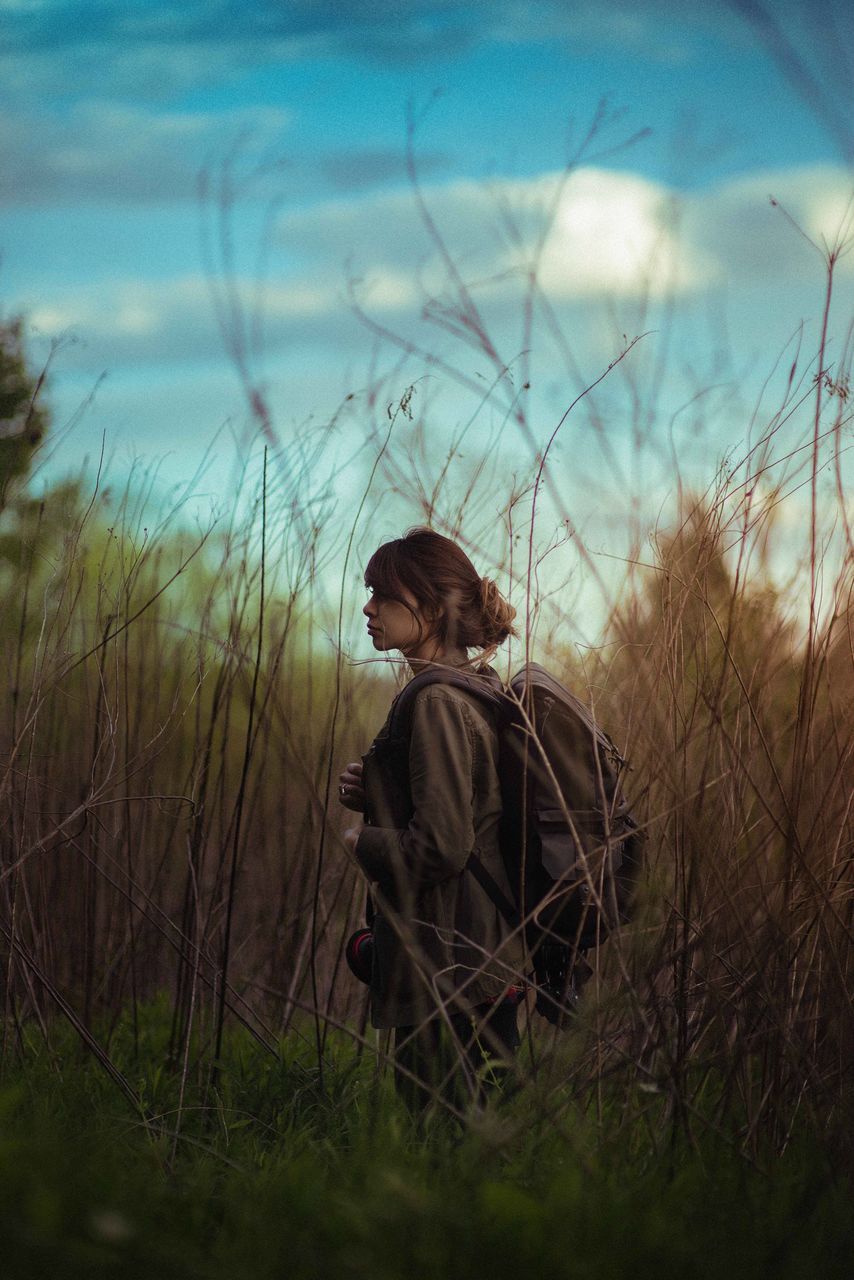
pixel 491 693
pixel 493 891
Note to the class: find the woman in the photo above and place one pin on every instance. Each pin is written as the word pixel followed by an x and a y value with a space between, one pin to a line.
pixel 445 963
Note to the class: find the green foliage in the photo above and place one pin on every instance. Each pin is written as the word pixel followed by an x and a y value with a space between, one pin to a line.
pixel 31 529
pixel 277 1175
pixel 23 418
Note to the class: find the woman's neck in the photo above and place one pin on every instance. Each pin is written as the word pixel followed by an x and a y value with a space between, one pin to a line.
pixel 446 656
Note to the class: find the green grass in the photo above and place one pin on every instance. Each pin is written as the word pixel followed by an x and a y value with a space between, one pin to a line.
pixel 275 1176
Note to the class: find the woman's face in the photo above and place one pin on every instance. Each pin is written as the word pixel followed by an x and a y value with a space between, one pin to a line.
pixel 392 626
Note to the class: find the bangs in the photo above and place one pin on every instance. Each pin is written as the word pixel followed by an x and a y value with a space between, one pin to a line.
pixel 382 573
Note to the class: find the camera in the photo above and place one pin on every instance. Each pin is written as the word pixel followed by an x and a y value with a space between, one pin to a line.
pixel 359 954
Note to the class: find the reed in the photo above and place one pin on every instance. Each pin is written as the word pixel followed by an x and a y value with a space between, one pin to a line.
pixel 176 711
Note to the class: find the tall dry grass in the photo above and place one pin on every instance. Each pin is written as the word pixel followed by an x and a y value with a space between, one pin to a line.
pixel 179 703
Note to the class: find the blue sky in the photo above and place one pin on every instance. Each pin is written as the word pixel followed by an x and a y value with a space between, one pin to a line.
pixel 110 112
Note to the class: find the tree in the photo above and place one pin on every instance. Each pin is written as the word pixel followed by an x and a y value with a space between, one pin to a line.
pixel 24 420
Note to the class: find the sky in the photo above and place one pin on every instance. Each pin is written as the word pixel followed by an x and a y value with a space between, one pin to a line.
pixel 170 172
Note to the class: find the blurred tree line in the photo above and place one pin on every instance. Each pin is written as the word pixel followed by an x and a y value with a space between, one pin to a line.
pixel 24 419
pixel 27 523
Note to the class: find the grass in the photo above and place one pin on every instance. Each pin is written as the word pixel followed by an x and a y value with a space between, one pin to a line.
pixel 273 1176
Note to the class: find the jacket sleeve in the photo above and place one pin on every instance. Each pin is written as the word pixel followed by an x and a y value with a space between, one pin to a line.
pixel 440 836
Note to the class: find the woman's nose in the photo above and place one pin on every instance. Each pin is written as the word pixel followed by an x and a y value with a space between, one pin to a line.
pixel 369 609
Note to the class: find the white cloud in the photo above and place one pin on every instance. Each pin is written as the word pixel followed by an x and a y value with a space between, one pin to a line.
pixel 101 151
pixel 613 237
pixel 830 217
pixel 608 233
pixel 127 322
pixel 612 234
pixel 754 240
pixel 617 233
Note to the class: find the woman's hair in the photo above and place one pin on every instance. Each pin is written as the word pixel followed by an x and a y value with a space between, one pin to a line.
pixel 468 610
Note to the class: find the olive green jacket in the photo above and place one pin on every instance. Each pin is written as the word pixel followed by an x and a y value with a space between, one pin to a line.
pixel 439 940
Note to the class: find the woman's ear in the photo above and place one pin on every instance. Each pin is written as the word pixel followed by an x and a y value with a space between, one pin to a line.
pixel 437 620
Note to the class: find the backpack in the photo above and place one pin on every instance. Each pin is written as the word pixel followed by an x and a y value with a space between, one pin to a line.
pixel 571 848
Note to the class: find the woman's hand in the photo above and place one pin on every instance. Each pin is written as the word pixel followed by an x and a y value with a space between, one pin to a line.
pixel 351 793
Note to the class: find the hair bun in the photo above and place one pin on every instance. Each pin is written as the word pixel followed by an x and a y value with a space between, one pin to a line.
pixel 497 613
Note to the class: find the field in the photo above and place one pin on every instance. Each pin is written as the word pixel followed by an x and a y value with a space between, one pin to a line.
pixel 188 1083
pixel 276 1175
